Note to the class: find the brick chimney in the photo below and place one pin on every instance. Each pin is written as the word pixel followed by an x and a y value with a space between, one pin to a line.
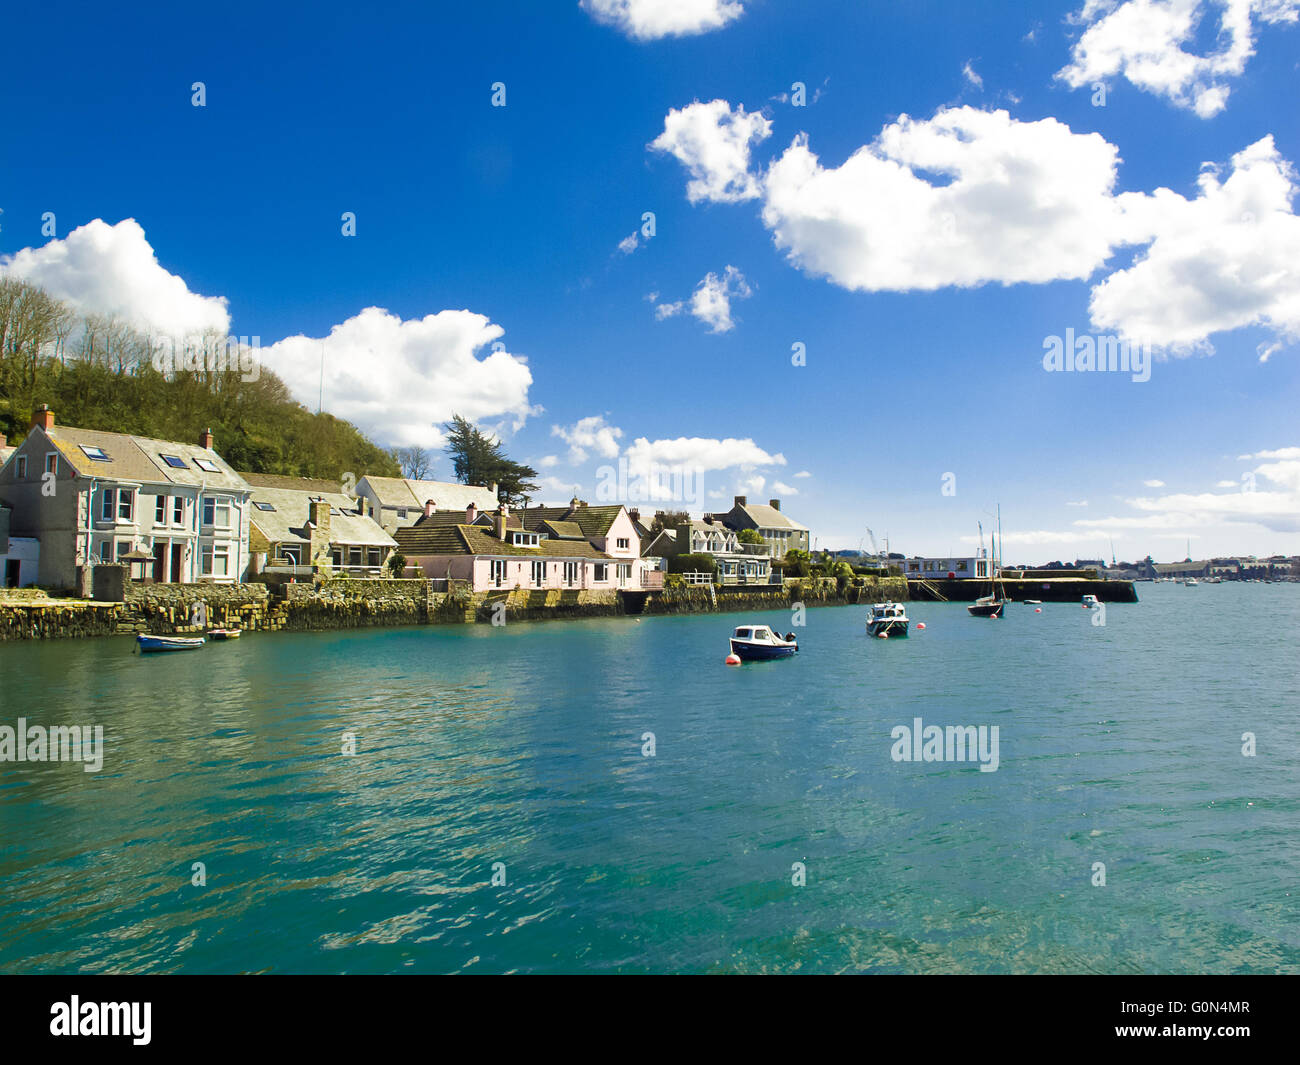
pixel 503 513
pixel 635 515
pixel 44 417
pixel 775 504
pixel 741 501
pixel 471 514
pixel 4 440
pixel 496 493
pixel 429 508
pixel 205 439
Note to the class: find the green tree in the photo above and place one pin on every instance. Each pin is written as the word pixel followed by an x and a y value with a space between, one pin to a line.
pixel 478 458
pixel 750 536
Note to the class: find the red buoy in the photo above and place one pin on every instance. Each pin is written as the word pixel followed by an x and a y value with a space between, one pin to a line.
pixel 733 660
pixel 920 624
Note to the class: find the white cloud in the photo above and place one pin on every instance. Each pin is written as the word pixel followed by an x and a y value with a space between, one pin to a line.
pixel 548 462
pixel 1144 42
pixel 968 72
pixel 713 142
pixel 1154 484
pixel 1077 503
pixel 558 487
pixel 1220 261
pixel 964 198
pixel 803 473
pixel 1269 498
pixel 711 300
pixel 629 244
pixel 696 453
pixel 589 433
pixel 398 380
pixel 649 20
pixel 970 197
pixel 784 489
pixel 112 270
pixel 1225 484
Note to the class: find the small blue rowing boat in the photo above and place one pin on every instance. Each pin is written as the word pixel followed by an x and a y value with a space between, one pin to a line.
pixel 168 643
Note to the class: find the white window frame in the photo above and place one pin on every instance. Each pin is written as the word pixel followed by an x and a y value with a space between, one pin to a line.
pixel 600 574
pixel 624 543
pixel 160 511
pixel 498 574
pixel 107 504
pixel 52 462
pixel 539 573
pixel 126 503
pixel 571 573
pixel 178 504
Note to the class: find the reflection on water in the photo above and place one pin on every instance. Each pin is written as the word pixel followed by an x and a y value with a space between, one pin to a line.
pixel 522 746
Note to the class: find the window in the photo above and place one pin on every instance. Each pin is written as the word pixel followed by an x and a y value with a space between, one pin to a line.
pixel 624 572
pixel 96 453
pixel 125 504
pixel 602 572
pixel 160 511
pixel 354 556
pixel 961 567
pixel 106 504
pixel 498 571
pixel 216 512
pixel 401 513
pixel 106 551
pixel 290 554
pixel 178 510
pixel 174 461
pixel 208 465
pixel 374 557
pixel 267 507
pixel 20 471
pixel 522 539
pixel 570 573
pixel 122 548
pixel 216 560
pixel 539 574
pixel 624 544
pixel 52 462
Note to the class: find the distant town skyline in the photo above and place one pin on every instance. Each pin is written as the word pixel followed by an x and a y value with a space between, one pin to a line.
pixel 869 260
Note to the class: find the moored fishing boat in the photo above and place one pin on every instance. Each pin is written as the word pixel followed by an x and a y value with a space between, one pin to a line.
pixel 1090 601
pixel 758 643
pixel 887 619
pixel 168 643
pixel 224 634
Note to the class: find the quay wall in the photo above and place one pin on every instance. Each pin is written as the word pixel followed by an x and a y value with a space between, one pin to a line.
pixel 1069 590
pixel 191 609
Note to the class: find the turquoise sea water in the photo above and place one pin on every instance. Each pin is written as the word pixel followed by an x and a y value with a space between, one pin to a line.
pixel 522 745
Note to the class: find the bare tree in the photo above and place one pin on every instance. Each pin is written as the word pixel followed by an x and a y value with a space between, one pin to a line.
pixel 415 461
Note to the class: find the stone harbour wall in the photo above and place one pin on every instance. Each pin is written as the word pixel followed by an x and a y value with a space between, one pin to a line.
pixel 181 609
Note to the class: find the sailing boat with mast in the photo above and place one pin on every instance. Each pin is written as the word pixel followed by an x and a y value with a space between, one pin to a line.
pixel 991 605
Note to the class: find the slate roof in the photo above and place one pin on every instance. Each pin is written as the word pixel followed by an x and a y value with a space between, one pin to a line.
pixel 766 517
pixel 139 458
pixel 402 492
pixel 315 485
pixel 433 539
pixel 593 521
pixel 287 522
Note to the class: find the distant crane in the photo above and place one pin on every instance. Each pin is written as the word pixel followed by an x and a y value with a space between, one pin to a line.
pixel 875 549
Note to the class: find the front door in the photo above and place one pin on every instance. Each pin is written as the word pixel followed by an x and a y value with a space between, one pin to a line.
pixel 178 552
pixel 12 575
pixel 160 562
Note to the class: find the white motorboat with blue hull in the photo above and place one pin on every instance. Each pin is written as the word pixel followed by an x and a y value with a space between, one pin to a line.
pixel 887 619
pixel 758 643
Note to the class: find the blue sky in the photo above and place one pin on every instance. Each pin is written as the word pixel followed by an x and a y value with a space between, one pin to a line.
pixel 922 301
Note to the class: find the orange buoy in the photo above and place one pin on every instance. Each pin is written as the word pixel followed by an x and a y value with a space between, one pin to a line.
pixel 733 660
